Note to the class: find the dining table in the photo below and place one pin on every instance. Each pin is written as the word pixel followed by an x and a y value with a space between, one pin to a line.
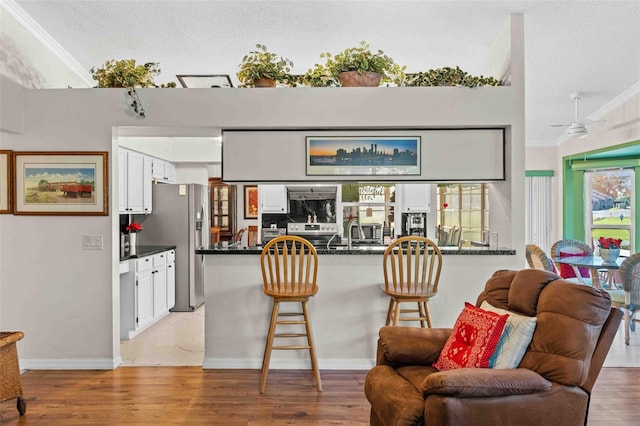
pixel 595 264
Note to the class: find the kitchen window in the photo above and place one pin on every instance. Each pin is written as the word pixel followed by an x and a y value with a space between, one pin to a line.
pixel 368 203
pixel 465 205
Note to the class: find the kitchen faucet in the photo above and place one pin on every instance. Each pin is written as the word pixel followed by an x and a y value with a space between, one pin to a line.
pixel 352 223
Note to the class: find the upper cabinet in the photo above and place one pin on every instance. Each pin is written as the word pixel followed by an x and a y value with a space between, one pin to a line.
pixel 164 171
pixel 414 197
pixel 134 183
pixel 273 198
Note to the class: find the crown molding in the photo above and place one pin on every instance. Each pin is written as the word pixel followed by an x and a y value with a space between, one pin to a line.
pixel 45 38
pixel 615 102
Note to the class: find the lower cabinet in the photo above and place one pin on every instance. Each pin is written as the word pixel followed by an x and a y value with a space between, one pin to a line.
pixel 147 292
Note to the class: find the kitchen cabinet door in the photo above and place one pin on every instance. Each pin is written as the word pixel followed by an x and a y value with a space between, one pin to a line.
pixel 144 299
pixel 122 181
pixel 159 290
pixel 135 183
pixel 415 197
pixel 170 172
pixel 273 198
pixel 147 182
pixel 171 285
pixel 158 169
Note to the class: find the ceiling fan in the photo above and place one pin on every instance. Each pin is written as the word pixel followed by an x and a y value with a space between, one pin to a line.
pixel 577 129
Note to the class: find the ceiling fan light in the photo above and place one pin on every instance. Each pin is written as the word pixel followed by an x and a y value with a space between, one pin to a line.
pixel 577 130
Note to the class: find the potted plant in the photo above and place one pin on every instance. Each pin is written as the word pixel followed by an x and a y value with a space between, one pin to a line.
pixel 125 73
pixel 355 66
pixel 609 248
pixel 261 68
pixel 447 76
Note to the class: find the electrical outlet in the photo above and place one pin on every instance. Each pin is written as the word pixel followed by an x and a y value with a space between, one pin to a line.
pixel 92 242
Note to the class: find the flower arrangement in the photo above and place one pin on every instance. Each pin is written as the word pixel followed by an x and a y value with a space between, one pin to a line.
pixel 133 227
pixel 609 243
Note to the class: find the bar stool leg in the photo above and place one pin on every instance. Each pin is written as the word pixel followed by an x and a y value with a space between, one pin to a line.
pixel 390 312
pixel 312 349
pixel 269 345
pixel 396 314
pixel 428 313
pixel 422 314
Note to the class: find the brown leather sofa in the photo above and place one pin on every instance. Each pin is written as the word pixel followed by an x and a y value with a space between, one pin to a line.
pixel 575 327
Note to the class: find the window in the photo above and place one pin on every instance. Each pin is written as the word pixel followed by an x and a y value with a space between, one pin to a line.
pixel 464 205
pixel 368 203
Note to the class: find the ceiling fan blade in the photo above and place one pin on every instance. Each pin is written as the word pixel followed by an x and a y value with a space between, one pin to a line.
pixel 559 125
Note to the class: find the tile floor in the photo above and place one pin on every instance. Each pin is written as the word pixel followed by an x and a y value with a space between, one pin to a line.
pixel 178 340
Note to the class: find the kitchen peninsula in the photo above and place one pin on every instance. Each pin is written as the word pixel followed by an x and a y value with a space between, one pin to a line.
pixel 347 312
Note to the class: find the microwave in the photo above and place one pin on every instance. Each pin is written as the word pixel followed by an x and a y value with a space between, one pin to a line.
pixel 371 232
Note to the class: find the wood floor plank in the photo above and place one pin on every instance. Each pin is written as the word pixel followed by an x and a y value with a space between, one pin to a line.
pixel 190 395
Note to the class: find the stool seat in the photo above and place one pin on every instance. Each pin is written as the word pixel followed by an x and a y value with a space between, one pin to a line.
pixel 411 268
pixel 289 271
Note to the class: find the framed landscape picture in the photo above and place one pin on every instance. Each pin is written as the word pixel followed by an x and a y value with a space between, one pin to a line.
pixel 363 155
pixel 61 183
pixel 6 179
pixel 250 201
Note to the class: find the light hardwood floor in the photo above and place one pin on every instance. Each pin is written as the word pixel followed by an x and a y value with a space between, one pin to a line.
pixel 193 396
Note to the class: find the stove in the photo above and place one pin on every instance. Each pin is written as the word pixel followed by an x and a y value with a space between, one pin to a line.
pixel 319 234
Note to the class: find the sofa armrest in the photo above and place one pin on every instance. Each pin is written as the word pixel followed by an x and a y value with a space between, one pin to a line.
pixel 482 382
pixel 399 345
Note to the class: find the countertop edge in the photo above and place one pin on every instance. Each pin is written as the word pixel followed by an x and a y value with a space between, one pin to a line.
pixel 144 251
pixel 445 252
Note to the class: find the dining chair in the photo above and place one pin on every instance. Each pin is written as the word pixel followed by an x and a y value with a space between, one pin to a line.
pixel 628 298
pixel 237 239
pixel 10 381
pixel 411 267
pixel 289 270
pixel 566 248
pixel 538 259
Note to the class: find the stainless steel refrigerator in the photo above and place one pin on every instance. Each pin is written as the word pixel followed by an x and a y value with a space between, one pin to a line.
pixel 180 217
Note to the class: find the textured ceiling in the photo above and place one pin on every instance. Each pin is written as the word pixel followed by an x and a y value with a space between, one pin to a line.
pixel 587 46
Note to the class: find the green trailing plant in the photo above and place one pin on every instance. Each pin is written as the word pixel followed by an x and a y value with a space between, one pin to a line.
pixel 261 63
pixel 447 76
pixel 360 59
pixel 125 73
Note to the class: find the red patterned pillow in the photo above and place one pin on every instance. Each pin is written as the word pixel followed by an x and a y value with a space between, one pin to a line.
pixel 473 339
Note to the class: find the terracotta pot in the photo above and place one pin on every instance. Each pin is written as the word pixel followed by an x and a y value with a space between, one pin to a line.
pixel 264 82
pixel 353 79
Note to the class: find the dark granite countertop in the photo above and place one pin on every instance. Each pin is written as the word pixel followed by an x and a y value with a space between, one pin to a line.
pixel 368 250
pixel 142 251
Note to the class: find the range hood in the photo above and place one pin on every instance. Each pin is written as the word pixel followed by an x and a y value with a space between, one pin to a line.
pixel 312 192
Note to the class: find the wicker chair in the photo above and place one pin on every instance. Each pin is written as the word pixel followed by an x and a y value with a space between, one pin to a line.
pixel 10 384
pixel 538 259
pixel 563 248
pixel 628 299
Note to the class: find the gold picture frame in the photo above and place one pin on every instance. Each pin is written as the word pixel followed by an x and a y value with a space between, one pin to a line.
pixel 61 183
pixel 6 182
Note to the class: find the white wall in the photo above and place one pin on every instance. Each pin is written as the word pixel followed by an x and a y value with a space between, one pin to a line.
pixel 69 313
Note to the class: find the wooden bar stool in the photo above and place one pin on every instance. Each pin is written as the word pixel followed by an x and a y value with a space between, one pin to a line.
pixel 411 273
pixel 289 269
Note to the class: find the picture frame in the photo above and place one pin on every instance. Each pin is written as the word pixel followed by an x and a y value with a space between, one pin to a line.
pixel 363 155
pixel 61 183
pixel 6 182
pixel 251 202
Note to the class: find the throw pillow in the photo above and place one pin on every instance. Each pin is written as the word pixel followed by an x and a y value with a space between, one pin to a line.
pixel 566 271
pixel 473 339
pixel 517 334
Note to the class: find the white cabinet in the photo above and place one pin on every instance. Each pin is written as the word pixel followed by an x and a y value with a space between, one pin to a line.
pixel 147 292
pixel 159 278
pixel 171 279
pixel 163 171
pixel 134 183
pixel 414 197
pixel 273 198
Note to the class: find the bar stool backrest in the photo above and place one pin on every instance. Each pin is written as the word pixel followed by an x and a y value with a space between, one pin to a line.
pixel 289 267
pixel 412 265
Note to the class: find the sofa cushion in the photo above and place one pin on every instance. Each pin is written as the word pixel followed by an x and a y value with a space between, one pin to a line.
pixel 473 339
pixel 525 290
pixel 514 340
pixel 479 382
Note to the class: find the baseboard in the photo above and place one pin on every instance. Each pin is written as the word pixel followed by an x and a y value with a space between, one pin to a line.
pixel 70 364
pixel 297 364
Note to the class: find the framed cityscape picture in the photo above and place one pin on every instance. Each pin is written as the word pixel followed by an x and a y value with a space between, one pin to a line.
pixel 61 183
pixel 362 155
pixel 6 179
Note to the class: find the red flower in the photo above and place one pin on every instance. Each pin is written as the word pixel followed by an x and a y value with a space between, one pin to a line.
pixel 609 243
pixel 134 227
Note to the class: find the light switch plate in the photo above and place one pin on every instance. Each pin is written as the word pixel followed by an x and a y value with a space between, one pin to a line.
pixel 92 242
